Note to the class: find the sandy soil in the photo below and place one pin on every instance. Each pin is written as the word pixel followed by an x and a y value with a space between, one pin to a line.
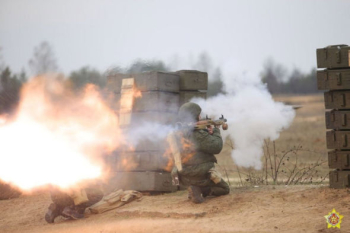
pixel 253 209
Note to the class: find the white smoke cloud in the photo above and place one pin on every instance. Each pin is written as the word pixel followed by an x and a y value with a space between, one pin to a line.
pixel 151 131
pixel 251 113
pixel 252 116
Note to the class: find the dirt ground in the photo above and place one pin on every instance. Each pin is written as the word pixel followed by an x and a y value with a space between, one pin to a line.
pixel 248 208
pixel 255 209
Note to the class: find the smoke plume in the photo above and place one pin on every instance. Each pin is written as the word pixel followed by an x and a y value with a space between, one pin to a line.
pixel 251 112
pixel 252 116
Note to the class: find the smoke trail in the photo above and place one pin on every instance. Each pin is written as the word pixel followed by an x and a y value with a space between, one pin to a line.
pixel 252 116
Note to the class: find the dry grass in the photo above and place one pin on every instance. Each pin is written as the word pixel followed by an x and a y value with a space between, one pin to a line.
pixel 307 133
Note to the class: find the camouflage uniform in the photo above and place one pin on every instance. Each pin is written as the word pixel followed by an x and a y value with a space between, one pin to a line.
pixel 63 204
pixel 198 159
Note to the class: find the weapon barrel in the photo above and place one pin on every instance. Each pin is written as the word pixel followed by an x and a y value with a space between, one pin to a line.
pixel 204 123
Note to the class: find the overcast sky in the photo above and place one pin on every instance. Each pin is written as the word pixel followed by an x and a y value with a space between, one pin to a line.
pixel 241 34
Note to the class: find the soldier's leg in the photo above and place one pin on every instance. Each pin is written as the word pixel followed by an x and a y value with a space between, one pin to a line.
pixel 60 201
pixel 82 198
pixel 63 204
pixel 195 194
pixel 220 188
pixel 94 195
pixel 61 198
pixel 206 190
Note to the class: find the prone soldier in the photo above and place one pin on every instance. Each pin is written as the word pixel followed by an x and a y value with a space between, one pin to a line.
pixel 71 204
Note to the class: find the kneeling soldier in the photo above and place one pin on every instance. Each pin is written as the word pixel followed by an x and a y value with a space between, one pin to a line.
pixel 196 166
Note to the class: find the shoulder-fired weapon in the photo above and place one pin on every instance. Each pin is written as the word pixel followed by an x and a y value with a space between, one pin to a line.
pixel 205 123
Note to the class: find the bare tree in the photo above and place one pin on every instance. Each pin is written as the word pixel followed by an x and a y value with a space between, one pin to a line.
pixel 43 60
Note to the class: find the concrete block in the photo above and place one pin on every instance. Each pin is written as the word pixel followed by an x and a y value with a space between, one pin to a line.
pixel 142 181
pixel 192 80
pixel 147 81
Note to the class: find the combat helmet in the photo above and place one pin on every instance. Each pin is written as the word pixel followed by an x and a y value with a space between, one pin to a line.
pixel 189 112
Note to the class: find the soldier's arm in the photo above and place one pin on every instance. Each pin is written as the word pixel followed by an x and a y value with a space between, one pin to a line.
pixel 209 143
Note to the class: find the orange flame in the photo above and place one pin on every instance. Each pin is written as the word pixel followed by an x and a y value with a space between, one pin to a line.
pixel 57 136
pixel 187 149
pixel 169 156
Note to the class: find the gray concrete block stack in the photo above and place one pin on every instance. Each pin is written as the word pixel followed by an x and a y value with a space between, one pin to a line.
pixel 193 84
pixel 145 167
pixel 335 78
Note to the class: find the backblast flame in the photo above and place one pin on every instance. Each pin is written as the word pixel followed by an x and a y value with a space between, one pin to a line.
pixel 57 136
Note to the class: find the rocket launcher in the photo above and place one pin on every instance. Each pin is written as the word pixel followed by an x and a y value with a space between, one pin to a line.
pixel 204 123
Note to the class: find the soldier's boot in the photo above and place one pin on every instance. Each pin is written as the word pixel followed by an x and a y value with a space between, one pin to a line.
pixel 206 191
pixel 71 213
pixel 189 196
pixel 53 211
pixel 195 194
pixel 80 209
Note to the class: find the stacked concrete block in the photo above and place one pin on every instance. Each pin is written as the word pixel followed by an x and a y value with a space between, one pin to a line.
pixel 145 167
pixel 335 78
pixel 193 84
pixel 142 181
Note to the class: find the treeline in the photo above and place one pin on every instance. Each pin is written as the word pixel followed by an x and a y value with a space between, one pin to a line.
pixel 43 61
pixel 86 74
pixel 279 81
pixel 10 85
